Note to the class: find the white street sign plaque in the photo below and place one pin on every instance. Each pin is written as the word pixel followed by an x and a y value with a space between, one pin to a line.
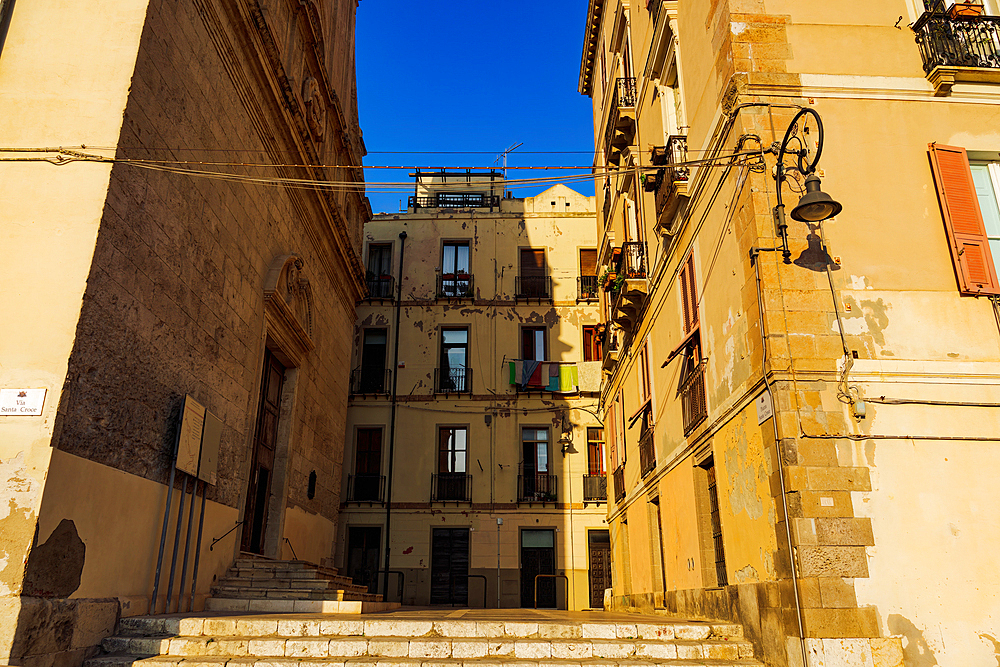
pixel 21 402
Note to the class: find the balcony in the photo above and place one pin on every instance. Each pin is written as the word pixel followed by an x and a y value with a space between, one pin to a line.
pixel 380 287
pixel 628 301
pixel 693 404
pixel 365 488
pixel 620 131
pixel 619 480
pixel 453 380
pixel 455 286
pixel 958 46
pixel 610 344
pixel 373 381
pixel 454 200
pixel 451 487
pixel 537 487
pixel 595 488
pixel 671 181
pixel 533 287
pixel 586 288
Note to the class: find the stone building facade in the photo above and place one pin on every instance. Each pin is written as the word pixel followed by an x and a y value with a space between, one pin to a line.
pixel 800 442
pixel 160 252
pixel 480 431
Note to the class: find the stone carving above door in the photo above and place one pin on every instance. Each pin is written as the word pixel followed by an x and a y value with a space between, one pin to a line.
pixel 288 306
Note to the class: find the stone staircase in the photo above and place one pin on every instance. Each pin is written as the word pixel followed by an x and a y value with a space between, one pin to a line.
pixel 261 585
pixel 434 639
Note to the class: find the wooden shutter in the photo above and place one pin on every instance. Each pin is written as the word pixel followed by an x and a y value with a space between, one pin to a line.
pixel 532 263
pixel 963 221
pixel 588 262
pixel 689 295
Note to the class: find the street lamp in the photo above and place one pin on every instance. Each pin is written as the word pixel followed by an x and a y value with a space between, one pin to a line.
pixel 815 205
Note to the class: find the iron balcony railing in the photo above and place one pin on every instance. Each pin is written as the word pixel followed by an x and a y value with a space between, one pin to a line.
pixel 672 157
pixel 455 200
pixel 371 380
pixel 451 487
pixel 380 287
pixel 619 479
pixel 957 41
pixel 586 288
pixel 693 405
pixel 455 285
pixel 533 287
pixel 536 487
pixel 453 380
pixel 365 488
pixel 633 260
pixel 595 487
pixel 625 91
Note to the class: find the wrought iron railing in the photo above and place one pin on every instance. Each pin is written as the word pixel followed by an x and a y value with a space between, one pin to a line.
pixel 633 260
pixel 451 486
pixel 619 480
pixel 453 380
pixel 455 200
pixel 371 380
pixel 693 405
pixel 537 487
pixel 626 91
pixel 586 288
pixel 380 287
pixel 365 488
pixel 957 41
pixel 533 287
pixel 595 487
pixel 455 285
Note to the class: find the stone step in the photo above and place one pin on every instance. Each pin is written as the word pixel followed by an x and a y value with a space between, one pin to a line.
pixel 223 661
pixel 259 626
pixel 428 647
pixel 368 604
pixel 298 573
pixel 319 584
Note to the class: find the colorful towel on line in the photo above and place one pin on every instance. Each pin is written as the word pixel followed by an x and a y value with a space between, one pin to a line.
pixel 546 376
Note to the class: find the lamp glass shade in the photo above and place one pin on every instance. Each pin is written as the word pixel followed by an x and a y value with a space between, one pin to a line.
pixel 815 205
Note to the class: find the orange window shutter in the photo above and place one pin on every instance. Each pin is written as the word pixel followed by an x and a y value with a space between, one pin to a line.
pixel 963 221
pixel 684 297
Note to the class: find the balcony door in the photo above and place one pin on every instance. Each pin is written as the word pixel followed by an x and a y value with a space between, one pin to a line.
pixel 533 273
pixel 454 360
pixel 533 344
pixel 453 451
pixel 368 465
pixel 373 354
pixel 455 273
pixel 262 468
pixel 535 462
pixel 379 274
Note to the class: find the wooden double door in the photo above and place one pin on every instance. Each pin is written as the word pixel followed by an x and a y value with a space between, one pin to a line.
pixel 262 459
pixel 450 566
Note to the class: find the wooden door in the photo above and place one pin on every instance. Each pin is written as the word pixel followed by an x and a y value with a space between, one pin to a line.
pixel 533 274
pixel 450 566
pixel 600 566
pixel 363 546
pixel 262 462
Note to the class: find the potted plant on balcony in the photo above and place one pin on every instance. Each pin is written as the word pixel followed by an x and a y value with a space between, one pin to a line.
pixel 607 278
pixel 973 8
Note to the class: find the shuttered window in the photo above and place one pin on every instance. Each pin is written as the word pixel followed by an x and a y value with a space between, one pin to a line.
pixel 588 262
pixel 963 220
pixel 689 295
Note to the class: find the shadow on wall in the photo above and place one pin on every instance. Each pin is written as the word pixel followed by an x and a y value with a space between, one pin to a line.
pixel 815 257
pixel 916 652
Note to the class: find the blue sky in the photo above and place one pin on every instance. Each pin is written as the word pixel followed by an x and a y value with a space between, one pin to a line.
pixel 472 75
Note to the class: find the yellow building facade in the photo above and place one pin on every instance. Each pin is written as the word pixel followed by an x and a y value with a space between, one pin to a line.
pixel 800 440
pixel 480 430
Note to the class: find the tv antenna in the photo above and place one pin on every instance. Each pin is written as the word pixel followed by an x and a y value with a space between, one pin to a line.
pixel 504 155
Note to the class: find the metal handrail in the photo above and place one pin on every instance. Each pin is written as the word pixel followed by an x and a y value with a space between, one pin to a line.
pixel 595 488
pixel 957 41
pixel 533 287
pixel 219 539
pixel 451 586
pixel 402 580
pixel 453 381
pixel 459 285
pixel 454 484
pixel 379 487
pixel 370 383
pixel 554 576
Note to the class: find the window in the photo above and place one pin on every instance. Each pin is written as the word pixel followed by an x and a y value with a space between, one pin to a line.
pixel 456 279
pixel 588 275
pixel 533 344
pixel 454 374
pixel 644 387
pixel 536 483
pixel 453 449
pixel 591 343
pixel 692 379
pixel 595 451
pixel 968 197
pixel 533 281
pixel 379 274
pixel 372 379
pixel 366 485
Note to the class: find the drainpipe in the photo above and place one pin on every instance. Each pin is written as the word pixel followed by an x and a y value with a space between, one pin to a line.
pixel 392 417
